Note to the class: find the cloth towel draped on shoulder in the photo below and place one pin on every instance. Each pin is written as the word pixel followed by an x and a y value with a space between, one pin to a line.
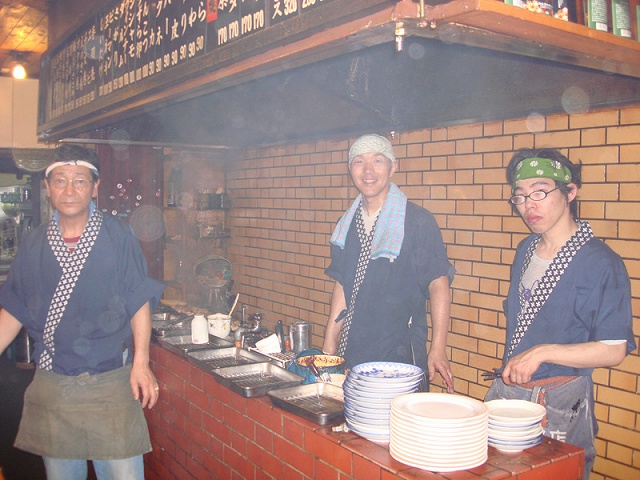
pixel 389 234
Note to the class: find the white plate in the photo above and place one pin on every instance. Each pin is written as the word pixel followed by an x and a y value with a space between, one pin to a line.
pixel 444 407
pixel 368 408
pixel 361 419
pixel 373 415
pixel 517 434
pixel 511 448
pixel 437 431
pixel 367 402
pixel 515 443
pixel 433 452
pixel 366 387
pixel 437 425
pixel 368 429
pixel 515 412
pixel 385 370
pixel 381 393
pixel 438 443
pixel 463 463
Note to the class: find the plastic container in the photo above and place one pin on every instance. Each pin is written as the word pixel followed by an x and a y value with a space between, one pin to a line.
pixel 199 330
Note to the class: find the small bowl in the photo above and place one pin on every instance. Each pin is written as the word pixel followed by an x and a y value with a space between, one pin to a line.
pixel 219 325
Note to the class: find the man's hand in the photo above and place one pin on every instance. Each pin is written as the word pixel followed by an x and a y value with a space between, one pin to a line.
pixel 439 363
pixel 144 385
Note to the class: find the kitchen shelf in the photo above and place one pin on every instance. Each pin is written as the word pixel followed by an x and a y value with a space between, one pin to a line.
pixel 498 26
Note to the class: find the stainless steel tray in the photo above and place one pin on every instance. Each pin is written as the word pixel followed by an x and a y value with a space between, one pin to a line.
pixel 210 359
pixel 256 379
pixel 181 344
pixel 166 324
pixel 174 332
pixel 322 403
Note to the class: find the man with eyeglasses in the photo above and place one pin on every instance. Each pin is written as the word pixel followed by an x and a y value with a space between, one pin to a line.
pixel 79 284
pixel 569 303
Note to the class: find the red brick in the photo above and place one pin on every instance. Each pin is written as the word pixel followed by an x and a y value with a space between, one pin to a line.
pixel 293 456
pixel 325 471
pixel 238 463
pixel 196 396
pixel 238 422
pixel 364 468
pixel 564 469
pixel 264 460
pixel 328 451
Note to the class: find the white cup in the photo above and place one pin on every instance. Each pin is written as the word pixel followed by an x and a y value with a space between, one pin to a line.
pixel 219 324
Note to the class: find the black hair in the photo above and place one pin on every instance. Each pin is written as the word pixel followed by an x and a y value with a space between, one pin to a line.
pixel 68 152
pixel 555 155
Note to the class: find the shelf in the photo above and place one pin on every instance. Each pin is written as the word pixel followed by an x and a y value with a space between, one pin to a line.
pixel 498 26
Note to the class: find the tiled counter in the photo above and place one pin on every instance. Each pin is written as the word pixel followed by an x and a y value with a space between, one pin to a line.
pixel 202 430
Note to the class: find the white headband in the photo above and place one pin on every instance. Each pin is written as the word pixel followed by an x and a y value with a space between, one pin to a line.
pixel 64 163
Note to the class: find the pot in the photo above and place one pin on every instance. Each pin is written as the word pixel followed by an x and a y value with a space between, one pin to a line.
pixel 219 325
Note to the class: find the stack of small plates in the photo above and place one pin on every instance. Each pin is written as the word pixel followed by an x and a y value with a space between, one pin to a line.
pixel 439 432
pixel 515 424
pixel 368 392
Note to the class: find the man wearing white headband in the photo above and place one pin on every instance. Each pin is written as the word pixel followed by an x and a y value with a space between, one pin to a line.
pixel 569 303
pixel 387 259
pixel 79 284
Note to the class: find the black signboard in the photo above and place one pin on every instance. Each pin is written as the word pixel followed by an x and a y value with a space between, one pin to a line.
pixel 131 41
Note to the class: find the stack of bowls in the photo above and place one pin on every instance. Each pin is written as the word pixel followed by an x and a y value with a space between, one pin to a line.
pixel 515 425
pixel 368 392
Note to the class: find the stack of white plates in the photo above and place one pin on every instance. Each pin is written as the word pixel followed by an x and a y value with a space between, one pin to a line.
pixel 515 424
pixel 368 392
pixel 438 431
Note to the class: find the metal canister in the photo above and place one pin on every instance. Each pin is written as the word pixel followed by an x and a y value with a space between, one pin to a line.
pixel 300 334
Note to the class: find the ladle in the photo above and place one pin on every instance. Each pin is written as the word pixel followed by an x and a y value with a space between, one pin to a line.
pixel 235 302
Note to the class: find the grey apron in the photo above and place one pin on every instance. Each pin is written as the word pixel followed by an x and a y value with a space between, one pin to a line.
pixel 91 417
pixel 570 417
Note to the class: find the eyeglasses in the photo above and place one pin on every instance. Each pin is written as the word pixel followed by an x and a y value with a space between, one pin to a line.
pixel 535 196
pixel 79 184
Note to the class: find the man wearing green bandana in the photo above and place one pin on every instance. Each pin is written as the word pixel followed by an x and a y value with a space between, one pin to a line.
pixel 569 303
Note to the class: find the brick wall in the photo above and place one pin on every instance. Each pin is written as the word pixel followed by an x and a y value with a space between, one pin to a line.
pixel 286 201
pixel 201 430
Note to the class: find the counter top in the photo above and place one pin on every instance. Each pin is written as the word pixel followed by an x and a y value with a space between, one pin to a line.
pixel 200 429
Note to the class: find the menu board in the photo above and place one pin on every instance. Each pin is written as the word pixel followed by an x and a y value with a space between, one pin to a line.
pixel 131 41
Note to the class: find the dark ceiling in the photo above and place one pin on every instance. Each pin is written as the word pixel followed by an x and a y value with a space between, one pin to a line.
pixel 428 84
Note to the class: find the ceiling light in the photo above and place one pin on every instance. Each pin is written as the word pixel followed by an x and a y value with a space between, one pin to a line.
pixel 18 72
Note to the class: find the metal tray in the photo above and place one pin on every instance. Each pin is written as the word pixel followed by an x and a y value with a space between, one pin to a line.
pixel 173 332
pixel 181 344
pixel 322 403
pixel 256 379
pixel 210 359
pixel 166 324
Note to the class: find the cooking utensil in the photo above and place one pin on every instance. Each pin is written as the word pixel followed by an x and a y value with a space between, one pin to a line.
pixel 300 333
pixel 488 376
pixel 235 302
pixel 324 376
pixel 280 334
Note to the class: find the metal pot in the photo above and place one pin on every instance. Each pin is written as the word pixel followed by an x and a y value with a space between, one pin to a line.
pixel 300 334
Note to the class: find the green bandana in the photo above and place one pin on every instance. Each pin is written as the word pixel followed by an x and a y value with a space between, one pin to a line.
pixel 541 168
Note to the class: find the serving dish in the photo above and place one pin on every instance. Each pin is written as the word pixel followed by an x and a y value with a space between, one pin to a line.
pixel 182 344
pixel 321 403
pixel 210 359
pixel 256 379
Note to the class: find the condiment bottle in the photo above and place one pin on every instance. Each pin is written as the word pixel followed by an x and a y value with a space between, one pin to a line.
pixel 199 330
